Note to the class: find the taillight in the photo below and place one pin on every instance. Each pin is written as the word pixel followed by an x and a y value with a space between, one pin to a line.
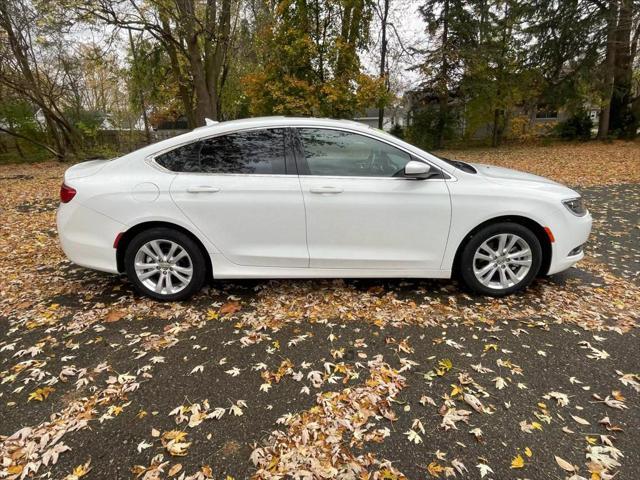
pixel 66 193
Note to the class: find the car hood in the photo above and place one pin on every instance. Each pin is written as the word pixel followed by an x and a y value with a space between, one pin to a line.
pixel 507 176
pixel 492 172
pixel 85 169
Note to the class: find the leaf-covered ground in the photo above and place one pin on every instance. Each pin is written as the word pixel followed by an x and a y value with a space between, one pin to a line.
pixel 325 379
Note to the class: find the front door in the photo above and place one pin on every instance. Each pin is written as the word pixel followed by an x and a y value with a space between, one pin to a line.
pixel 359 215
pixel 239 190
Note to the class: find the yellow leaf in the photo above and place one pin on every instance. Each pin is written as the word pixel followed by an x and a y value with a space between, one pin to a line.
pixel 15 469
pixel 115 410
pixel 212 315
pixel 435 469
pixel 490 346
pixel 177 435
pixel 444 366
pixel 79 471
pixel 536 426
pixel 528 452
pixel 457 390
pixel 40 394
pixel 517 462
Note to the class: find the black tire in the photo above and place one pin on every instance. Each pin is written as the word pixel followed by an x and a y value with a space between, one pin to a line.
pixel 197 262
pixel 466 259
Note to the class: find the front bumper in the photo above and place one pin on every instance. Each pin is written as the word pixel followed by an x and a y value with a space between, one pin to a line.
pixel 86 237
pixel 572 235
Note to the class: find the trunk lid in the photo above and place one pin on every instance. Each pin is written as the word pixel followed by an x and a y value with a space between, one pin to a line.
pixel 84 169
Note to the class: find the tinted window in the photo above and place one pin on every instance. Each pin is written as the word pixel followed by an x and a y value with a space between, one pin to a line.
pixel 181 159
pixel 338 153
pixel 258 151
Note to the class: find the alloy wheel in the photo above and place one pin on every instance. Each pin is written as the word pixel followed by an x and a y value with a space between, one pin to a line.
pixel 163 266
pixel 502 261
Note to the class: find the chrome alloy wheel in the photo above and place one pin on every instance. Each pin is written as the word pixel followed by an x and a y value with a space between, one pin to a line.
pixel 502 261
pixel 163 266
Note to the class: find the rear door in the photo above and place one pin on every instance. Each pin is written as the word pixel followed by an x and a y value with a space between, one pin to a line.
pixel 243 194
pixel 361 213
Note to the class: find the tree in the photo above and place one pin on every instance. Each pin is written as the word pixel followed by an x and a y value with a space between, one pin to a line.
pixel 31 70
pixel 196 35
pixel 308 61
pixel 450 28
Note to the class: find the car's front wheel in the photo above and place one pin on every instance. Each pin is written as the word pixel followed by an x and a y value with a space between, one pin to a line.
pixel 165 264
pixel 500 259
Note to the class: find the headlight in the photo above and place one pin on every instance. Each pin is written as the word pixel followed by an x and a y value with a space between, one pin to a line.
pixel 576 206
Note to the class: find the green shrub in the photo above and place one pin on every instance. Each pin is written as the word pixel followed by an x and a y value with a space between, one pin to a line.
pixel 578 126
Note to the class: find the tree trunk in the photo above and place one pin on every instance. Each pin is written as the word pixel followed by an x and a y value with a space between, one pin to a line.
pixel 143 106
pixel 383 59
pixel 186 96
pixel 205 107
pixel 443 97
pixel 216 60
pixel 498 127
pixel 621 116
pixel 609 65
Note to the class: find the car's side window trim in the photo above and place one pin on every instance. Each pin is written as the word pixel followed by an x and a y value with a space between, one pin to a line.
pixel 303 168
pixel 296 157
pixel 289 160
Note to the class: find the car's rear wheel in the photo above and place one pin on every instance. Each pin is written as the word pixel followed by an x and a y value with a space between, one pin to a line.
pixel 500 259
pixel 165 264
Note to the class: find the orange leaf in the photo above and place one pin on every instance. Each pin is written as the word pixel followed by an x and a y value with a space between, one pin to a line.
pixel 230 308
pixel 114 316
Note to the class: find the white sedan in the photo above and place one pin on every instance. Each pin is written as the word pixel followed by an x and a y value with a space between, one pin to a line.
pixel 286 197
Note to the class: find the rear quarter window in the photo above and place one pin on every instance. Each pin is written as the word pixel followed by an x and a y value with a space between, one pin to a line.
pixel 251 152
pixel 181 159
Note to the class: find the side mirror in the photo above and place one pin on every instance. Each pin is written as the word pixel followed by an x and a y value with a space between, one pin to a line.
pixel 418 170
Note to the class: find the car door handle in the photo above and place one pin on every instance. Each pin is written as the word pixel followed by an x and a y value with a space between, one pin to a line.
pixel 203 189
pixel 325 190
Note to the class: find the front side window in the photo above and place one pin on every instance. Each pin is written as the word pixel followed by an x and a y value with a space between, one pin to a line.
pixel 338 153
pixel 252 152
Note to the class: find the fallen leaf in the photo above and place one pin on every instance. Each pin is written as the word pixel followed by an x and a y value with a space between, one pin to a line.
pixel 564 464
pixel 580 420
pixel 517 462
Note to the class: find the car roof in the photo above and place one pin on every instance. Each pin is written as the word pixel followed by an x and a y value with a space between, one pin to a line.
pixel 275 121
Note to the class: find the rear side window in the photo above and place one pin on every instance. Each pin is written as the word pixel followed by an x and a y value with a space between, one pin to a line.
pixel 253 152
pixel 182 159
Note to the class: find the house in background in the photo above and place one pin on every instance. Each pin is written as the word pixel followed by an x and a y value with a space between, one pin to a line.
pixel 537 120
pixel 393 115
